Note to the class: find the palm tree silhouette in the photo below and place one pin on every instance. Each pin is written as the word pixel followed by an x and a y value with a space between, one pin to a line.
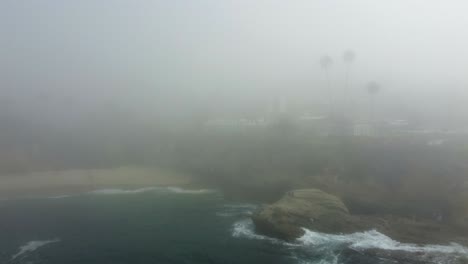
pixel 348 57
pixel 373 89
pixel 325 63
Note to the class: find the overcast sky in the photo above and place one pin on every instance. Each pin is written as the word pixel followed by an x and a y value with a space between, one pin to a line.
pixel 146 55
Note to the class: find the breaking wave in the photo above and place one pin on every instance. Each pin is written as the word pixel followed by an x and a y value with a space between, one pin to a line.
pixel 123 191
pixel 375 240
pixel 245 229
pixel 32 246
pixel 320 248
pixel 116 191
pixel 151 189
pixel 190 191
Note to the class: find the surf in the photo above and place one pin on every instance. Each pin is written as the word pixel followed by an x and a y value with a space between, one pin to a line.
pixel 315 247
pixel 32 246
pixel 123 191
pixel 373 239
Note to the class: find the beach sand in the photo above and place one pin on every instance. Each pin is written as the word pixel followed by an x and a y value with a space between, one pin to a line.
pixel 54 183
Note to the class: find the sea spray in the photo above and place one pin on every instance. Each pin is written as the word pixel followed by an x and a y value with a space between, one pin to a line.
pixel 32 246
pixel 315 247
pixel 373 239
pixel 245 228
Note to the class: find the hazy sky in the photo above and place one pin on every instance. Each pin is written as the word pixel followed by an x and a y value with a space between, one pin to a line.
pixel 150 55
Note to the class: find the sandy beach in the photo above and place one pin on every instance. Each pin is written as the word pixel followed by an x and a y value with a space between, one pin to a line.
pixel 52 183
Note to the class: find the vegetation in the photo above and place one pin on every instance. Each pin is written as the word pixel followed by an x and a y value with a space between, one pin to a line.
pixel 399 174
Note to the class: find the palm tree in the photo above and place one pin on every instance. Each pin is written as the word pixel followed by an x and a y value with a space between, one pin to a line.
pixel 348 57
pixel 373 89
pixel 325 63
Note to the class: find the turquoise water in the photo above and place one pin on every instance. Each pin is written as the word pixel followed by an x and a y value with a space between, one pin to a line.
pixel 157 226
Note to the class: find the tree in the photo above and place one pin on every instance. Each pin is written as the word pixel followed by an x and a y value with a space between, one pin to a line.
pixel 373 89
pixel 348 57
pixel 325 63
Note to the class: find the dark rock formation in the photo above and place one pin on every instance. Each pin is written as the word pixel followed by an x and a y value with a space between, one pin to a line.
pixel 322 212
pixel 309 208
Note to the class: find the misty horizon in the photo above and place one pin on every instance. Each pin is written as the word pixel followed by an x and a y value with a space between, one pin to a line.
pixel 171 60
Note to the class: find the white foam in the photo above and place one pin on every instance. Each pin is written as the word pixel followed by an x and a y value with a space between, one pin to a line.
pixel 245 228
pixel 328 245
pixel 373 239
pixel 189 191
pixel 60 196
pixel 122 191
pixel 32 246
pixel 116 191
pixel 150 189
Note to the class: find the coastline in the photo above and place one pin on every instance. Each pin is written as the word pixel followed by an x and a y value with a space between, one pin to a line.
pixel 70 182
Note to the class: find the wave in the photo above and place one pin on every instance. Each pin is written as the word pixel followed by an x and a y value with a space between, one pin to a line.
pixel 320 248
pixel 245 228
pixel 123 191
pixel 374 240
pixel 150 189
pixel 32 246
pixel 190 191
pixel 371 239
pixel 116 191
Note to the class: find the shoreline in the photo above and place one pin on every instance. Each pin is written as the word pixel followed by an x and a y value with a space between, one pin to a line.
pixel 73 182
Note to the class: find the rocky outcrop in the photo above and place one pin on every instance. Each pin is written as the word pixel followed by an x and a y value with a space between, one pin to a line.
pixel 322 212
pixel 309 208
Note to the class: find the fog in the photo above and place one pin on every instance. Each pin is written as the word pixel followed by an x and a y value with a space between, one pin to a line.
pixel 87 69
pixel 151 58
pixel 248 131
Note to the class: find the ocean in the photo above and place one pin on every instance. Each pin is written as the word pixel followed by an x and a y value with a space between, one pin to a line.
pixel 173 225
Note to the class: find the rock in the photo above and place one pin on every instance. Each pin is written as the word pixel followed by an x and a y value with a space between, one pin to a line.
pixel 322 212
pixel 308 208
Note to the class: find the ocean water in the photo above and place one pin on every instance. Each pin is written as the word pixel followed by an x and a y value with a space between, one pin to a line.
pixel 173 225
